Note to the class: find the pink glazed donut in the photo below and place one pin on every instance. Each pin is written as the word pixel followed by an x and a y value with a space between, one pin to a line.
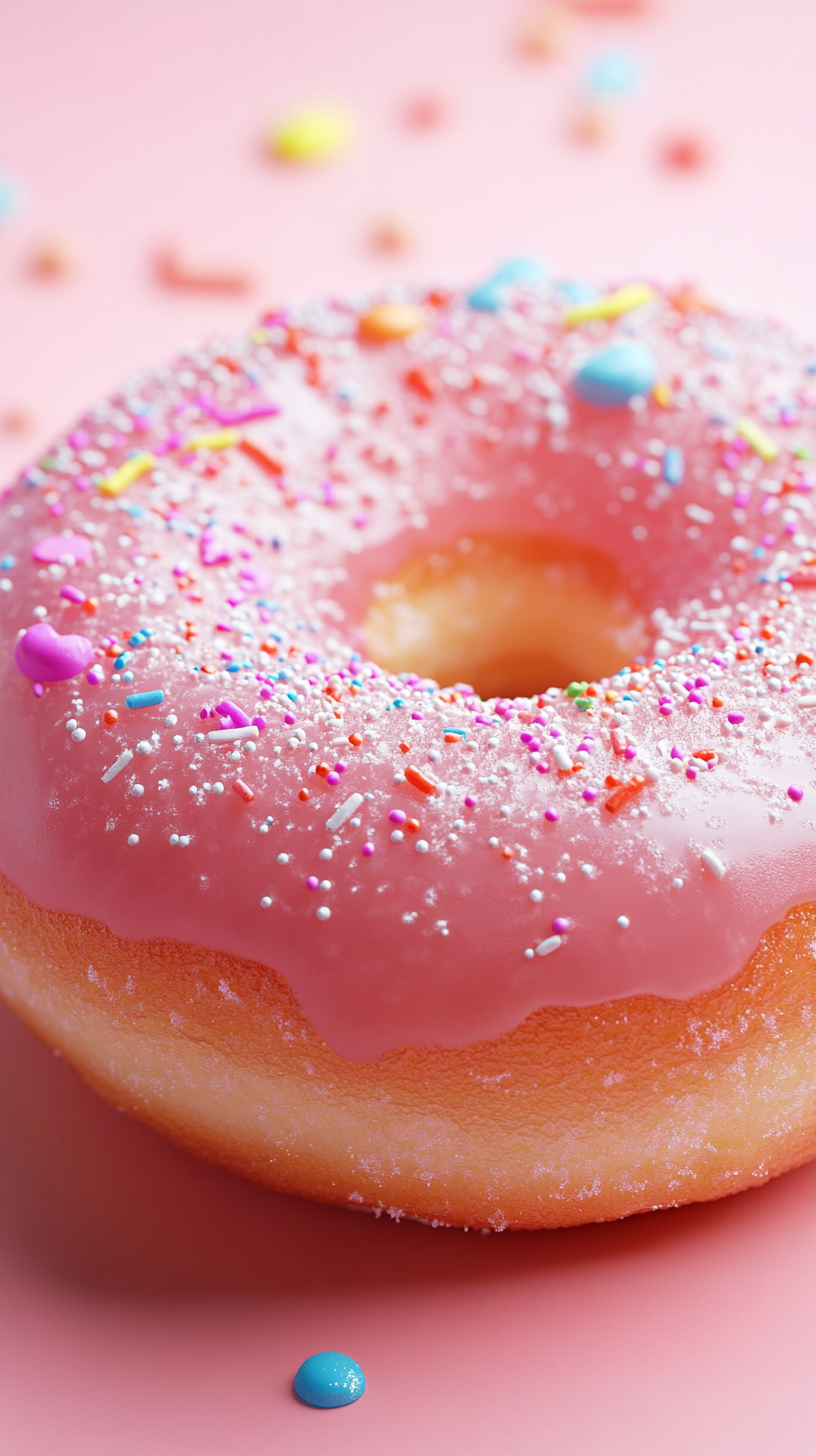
pixel 528 949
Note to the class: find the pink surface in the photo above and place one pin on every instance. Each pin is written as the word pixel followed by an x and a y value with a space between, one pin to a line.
pixel 149 1303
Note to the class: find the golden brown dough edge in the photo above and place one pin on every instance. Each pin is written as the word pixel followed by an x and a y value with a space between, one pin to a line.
pixel 578 1115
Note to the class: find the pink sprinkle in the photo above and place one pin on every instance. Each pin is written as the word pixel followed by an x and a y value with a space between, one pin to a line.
pixel 417 717
pixel 95 676
pixel 312 882
pixel 590 795
pixel 796 792
pixel 630 752
pixel 290 718
pixel 37 689
pixel 53 548
pixel 691 772
pixel 205 712
pixel 397 817
pixel 311 657
pixel 542 768
pixel 332 778
pixel 259 723
pixel 676 752
pixel 560 925
pixel 73 594
pixel 243 791
pixel 552 816
pixel 736 717
pixel 471 801
pixel 368 850
pixel 265 693
pixel 666 709
pixel 340 767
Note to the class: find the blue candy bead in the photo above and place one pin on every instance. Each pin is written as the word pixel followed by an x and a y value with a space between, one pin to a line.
pixel 328 1380
pixel 613 74
pixel 674 465
pixel 488 297
pixel 616 374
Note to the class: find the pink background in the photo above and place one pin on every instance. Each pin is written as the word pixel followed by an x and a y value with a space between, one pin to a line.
pixel 151 1304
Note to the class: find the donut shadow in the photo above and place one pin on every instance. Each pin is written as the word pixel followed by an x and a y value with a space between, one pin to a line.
pixel 93 1201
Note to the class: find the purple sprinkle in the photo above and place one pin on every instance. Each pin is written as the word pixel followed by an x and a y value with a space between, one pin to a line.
pixel 534 745
pixel 290 718
pixel 701 682
pixel 691 772
pixel 542 768
pixel 45 656
pixel 676 752
pixel 259 723
pixel 590 795
pixel 73 594
pixel 340 767
pixel 311 657
pixel 332 778
pixel 796 792
pixel 368 850
pixel 695 697
pixel 312 882
pixel 397 817
pixel 265 693
pixel 630 751
pixel 471 801
pixel 666 709
pixel 95 676
pixel 526 737
pixel 736 717
pixel 552 816
pixel 54 548
pixel 560 925
pixel 688 685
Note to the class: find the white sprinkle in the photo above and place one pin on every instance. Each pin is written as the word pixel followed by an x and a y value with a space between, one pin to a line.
pixel 218 788
pixel 184 840
pixel 536 897
pixel 231 735
pixel 399 778
pixel 197 737
pixel 170 721
pixel 71 724
pixel 133 839
pixel 561 757
pixel 177 738
pixel 325 885
pixel 323 912
pixel 546 947
pixel 529 953
pixel 422 846
pixel 494 843
pixel 588 870
pixel 560 878
pixel 144 747
pixel 325 854
pixel 40 611
pixel 283 859
pixel 807 701
pixel 137 790
pixel 122 761
pixel 622 922
pixel 264 829
pixel 396 836
pixel 505 811
pixel 78 735
pixel 174 839
pixel 677 883
pixel 193 789
pixel 266 902
pixel 345 812
pixel 713 863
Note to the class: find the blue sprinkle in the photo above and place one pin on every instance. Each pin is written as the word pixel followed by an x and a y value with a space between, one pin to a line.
pixel 122 659
pixel 328 1380
pixel 399 702
pixel 233 667
pixel 137 640
pixel 127 677
pixel 674 465
pixel 133 510
pixel 572 290
pixel 8 563
pixel 489 296
pixel 616 374
pixel 9 197
pixel 145 700
pixel 614 74
pixel 292 697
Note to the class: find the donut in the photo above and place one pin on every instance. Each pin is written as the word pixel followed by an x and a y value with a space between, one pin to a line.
pixel 407 792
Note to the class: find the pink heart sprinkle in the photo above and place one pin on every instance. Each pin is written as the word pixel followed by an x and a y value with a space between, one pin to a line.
pixel 45 656
pixel 52 549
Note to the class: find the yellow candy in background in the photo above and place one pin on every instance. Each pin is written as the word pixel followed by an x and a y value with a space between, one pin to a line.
pixel 314 134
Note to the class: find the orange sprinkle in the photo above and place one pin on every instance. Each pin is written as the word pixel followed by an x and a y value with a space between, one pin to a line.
pixel 610 695
pixel 206 668
pixel 804 659
pixel 706 754
pixel 243 791
pixel 391 321
pixel 610 782
pixel 412 825
pixel 625 793
pixel 419 780
pixel 355 740
pixel 507 852
pixel 90 605
pixel 768 633
pixel 405 747
pixel 421 383
pixel 303 795
pixel 323 769
pixel 743 654
pixel 110 717
pixel 261 457
pixel 718 702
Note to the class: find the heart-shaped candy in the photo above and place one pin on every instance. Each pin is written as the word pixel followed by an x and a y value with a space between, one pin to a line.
pixel 45 656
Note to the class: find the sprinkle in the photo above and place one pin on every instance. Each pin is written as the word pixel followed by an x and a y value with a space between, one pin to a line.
pixel 323 912
pixel 590 795
pixel 796 793
pixel 137 790
pixel 536 897
pixel 562 758
pixel 266 901
pixel 422 846
pixel 546 947
pixel 615 375
pixel 736 718
pixel 218 788
pixel 231 735
pixel 47 656
pixel 391 321
pixel 397 816
pixel 471 801
pixel 622 922
pixel 344 812
pixel 808 700
pixel 713 863
pixel 625 793
pixel 758 439
pixel 145 700
pixel 560 925
pixel 132 469
pixel 420 781
pixel 609 305
pixel 215 440
pixel 313 134
pixel 110 717
pixel 368 850
pixel 243 791
pixel 122 761
pixel 552 816
pixel 674 465
pixel 133 839
pixel 283 859
pixel 397 836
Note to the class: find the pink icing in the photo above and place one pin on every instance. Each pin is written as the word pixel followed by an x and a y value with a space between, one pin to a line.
pixel 58 548
pixel 426 936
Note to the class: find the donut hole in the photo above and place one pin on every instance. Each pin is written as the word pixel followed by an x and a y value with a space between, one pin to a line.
pixel 511 615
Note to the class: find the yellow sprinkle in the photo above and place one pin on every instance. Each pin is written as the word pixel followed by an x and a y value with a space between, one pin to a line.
pixel 391 321
pixel 610 305
pixel 313 134
pixel 757 439
pixel 216 440
pixel 259 336
pixel 126 474
pixel 663 394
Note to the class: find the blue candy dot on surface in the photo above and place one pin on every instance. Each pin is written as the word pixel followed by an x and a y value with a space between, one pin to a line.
pixel 674 465
pixel 616 375
pixel 613 74
pixel 489 296
pixel 328 1380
